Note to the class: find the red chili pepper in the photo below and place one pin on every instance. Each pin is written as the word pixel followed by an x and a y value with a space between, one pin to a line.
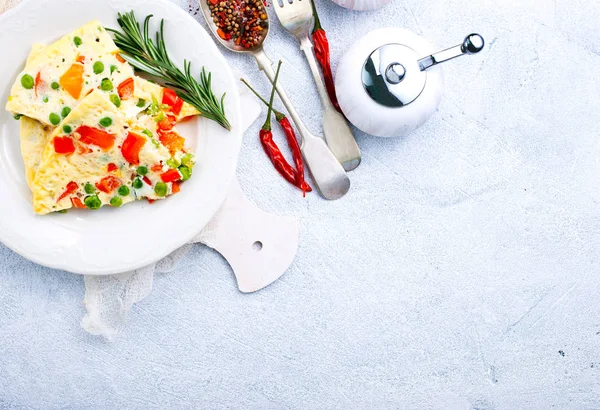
pixel 296 152
pixel 271 148
pixel 299 180
pixel 321 47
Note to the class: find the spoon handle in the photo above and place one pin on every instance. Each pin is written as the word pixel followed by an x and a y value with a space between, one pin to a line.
pixel 328 174
pixel 338 134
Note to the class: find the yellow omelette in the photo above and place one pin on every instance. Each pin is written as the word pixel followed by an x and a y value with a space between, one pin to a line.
pixel 140 103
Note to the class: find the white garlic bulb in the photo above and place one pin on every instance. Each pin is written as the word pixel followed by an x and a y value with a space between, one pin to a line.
pixel 361 4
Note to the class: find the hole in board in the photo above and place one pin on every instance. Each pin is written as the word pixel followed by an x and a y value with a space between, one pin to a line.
pixel 257 246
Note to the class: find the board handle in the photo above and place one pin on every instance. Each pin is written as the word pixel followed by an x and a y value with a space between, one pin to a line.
pixel 258 246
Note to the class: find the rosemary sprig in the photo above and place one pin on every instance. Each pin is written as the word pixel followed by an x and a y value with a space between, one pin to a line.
pixel 139 50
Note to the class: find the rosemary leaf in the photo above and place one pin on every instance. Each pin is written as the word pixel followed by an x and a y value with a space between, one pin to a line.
pixel 151 56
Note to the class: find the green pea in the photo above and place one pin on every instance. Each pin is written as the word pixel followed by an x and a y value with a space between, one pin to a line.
pixel 141 102
pixel 137 183
pixel 115 99
pixel 54 119
pixel 147 133
pixel 123 190
pixel 116 201
pixel 173 163
pixel 161 189
pixel 106 122
pixel 89 188
pixel 55 85
pixel 187 160
pixel 142 170
pixel 186 172
pixel 106 85
pixel 98 67
pixel 17 116
pixel 27 81
pixel 65 111
pixel 92 202
pixel 77 41
pixel 67 129
pixel 113 68
pixel 45 99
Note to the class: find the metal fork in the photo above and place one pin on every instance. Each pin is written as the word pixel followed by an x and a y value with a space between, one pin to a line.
pixel 297 18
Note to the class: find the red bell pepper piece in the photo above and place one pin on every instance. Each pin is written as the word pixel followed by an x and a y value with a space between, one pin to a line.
pixel 131 148
pixel 108 184
pixel 63 145
pixel 126 88
pixel 70 188
pixel 170 176
pixel 173 141
pixel 167 123
pixel 121 59
pixel 76 202
pixel 171 99
pixel 38 81
pixel 94 136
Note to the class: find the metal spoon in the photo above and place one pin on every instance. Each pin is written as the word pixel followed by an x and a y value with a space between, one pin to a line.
pixel 328 174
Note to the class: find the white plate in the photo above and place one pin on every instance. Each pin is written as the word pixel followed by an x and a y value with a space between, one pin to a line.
pixel 111 240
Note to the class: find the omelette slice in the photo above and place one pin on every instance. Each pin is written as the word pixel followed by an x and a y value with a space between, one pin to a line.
pixel 34 134
pixel 81 164
pixel 98 156
pixel 58 76
pixel 34 137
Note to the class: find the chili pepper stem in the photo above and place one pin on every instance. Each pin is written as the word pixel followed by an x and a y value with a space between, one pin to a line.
pixel 278 115
pixel 317 25
pixel 267 125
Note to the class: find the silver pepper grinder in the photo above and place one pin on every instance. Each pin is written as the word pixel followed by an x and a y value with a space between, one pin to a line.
pixel 390 81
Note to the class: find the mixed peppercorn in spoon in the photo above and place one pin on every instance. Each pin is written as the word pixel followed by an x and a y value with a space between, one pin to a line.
pixel 242 21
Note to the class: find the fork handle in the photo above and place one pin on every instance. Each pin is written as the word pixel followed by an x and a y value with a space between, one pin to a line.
pixel 338 134
pixel 328 174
